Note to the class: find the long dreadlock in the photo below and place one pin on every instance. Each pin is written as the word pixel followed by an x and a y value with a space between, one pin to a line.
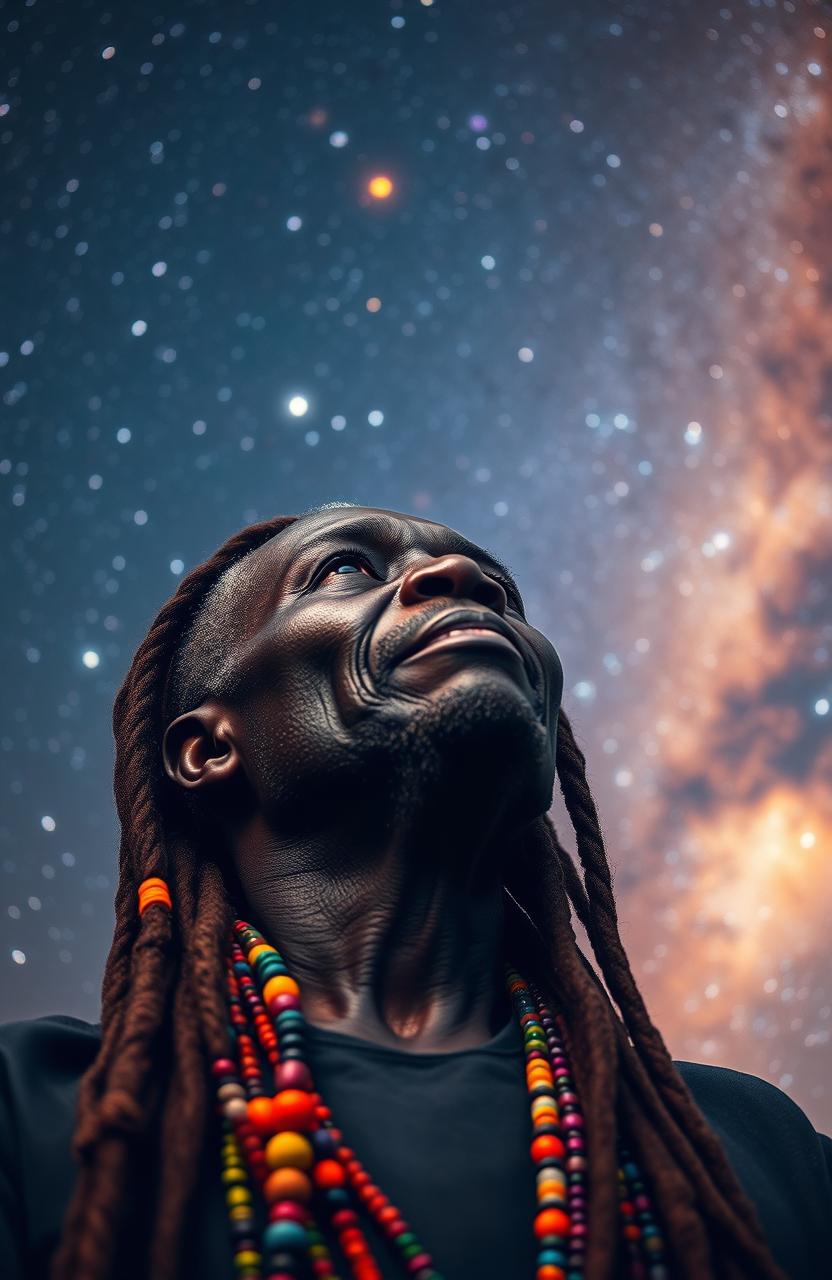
pixel 163 1016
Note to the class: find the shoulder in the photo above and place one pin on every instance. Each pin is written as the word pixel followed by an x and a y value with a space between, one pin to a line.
pixel 741 1100
pixel 43 1038
pixel 784 1164
pixel 36 1053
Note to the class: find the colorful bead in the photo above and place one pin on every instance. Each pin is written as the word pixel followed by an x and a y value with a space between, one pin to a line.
pixel 291 1149
pixel 280 1144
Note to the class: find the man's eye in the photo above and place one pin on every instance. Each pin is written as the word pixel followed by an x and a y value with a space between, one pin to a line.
pixel 344 563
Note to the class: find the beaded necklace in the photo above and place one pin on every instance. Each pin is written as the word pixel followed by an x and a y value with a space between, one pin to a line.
pixel 286 1162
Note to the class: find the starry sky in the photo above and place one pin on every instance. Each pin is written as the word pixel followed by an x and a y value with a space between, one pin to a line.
pixel 555 275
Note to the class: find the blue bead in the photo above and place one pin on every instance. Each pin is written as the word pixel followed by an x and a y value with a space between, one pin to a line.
pixel 323 1144
pixel 284 1235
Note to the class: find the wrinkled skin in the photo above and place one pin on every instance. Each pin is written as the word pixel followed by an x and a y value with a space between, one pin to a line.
pixel 368 801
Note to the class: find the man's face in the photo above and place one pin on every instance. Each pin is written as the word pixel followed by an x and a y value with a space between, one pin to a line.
pixel 348 701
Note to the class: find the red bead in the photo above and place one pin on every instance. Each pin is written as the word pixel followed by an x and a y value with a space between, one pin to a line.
pixel 294 1109
pixel 329 1173
pixel 224 1067
pixel 547 1146
pixel 551 1222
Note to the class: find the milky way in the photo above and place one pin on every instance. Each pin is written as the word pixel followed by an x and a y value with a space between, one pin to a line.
pixel 557 277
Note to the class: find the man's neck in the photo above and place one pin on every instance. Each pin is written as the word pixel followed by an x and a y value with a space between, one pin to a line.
pixel 402 948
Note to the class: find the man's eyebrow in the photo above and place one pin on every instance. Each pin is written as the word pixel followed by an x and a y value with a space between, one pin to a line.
pixel 379 532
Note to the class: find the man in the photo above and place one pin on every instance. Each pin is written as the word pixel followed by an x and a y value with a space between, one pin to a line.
pixel 343 731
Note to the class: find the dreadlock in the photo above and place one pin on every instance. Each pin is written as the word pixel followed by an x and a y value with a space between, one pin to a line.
pixel 163 1015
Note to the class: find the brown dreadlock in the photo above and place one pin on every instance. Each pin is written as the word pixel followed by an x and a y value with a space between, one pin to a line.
pixel 163 1016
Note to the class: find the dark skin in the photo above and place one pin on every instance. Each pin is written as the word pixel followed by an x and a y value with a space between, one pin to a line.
pixel 367 797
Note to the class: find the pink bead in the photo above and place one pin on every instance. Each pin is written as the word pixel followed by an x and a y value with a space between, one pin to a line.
pixel 224 1067
pixel 284 1001
pixel 560 1073
pixel 418 1262
pixel 566 1096
pixel 578 1229
pixel 573 1121
pixel 642 1201
pixel 288 1211
pixel 574 1164
pixel 574 1142
pixel 292 1074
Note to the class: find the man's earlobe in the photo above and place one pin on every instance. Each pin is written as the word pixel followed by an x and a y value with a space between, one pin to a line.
pixel 199 749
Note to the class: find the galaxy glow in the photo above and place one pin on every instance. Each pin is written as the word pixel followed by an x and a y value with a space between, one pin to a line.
pixel 557 277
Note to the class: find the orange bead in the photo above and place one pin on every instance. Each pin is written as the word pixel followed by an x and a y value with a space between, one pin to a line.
pixel 261 1115
pixel 281 984
pixel 261 949
pixel 550 1272
pixel 551 1222
pixel 287 1184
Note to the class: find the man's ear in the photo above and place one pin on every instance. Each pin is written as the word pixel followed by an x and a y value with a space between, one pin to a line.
pixel 199 749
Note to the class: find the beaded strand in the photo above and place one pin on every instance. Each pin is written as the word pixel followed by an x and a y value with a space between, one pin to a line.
pixel 280 1142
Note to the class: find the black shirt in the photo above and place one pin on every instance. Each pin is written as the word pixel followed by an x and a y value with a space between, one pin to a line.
pixel 445 1135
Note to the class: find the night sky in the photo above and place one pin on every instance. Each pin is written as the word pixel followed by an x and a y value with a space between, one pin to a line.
pixel 554 274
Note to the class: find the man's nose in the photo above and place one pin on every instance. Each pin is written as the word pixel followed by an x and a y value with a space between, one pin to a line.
pixel 452 575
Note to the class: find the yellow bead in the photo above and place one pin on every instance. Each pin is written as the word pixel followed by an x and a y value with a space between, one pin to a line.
pixel 261 949
pixel 281 984
pixel 237 1195
pixel 289 1148
pixel 247 1258
pixel 241 1213
pixel 232 1175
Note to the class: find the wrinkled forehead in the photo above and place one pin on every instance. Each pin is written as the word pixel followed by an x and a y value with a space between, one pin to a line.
pixel 259 575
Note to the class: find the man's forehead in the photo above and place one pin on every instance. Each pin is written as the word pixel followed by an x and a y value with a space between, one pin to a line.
pixel 261 571
pixel 380 521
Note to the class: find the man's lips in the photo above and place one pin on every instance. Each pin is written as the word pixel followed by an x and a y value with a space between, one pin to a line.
pixel 462 635
pixel 461 627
